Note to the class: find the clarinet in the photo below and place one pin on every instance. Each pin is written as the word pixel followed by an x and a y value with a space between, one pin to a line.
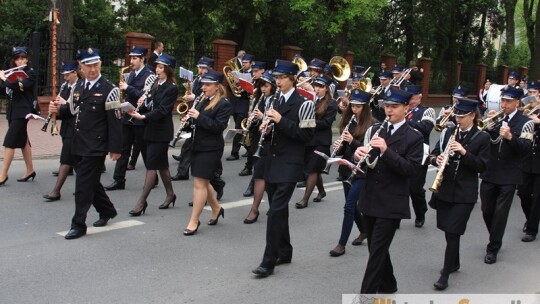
pixel 250 120
pixel 267 121
pixel 338 146
pixel 46 124
pixel 172 144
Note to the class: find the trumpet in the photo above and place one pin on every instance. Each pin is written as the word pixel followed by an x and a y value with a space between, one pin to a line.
pixel 446 155
pixel 491 122
pixel 266 120
pixel 529 109
pixel 182 110
pixel 338 146
pixel 442 124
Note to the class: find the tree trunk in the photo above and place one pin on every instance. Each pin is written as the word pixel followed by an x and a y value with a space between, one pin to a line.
pixel 510 8
pixel 534 71
pixel 409 31
pixel 480 44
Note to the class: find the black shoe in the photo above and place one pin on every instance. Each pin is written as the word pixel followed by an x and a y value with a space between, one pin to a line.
pixel 359 240
pixel 178 177
pixel 192 232
pixel 249 190
pixel 232 157
pixel 245 172
pixel 442 283
pixel 281 261
pixel 165 205
pixel 51 198
pixel 219 194
pixel 130 167
pixel 176 157
pixel 338 251
pixel 319 197
pixel 301 184
pixel 248 221
pixel 55 173
pixel 132 212
pixel 29 176
pixel 301 204
pixel 75 233
pixel 528 238
pixel 213 222
pixel 263 272
pixel 116 185
pixel 419 223
pixel 390 291
pixel 103 221
pixel 491 258
pixel 4 181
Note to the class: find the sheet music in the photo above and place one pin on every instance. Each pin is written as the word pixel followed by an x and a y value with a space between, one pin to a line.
pixel 244 76
pixel 185 74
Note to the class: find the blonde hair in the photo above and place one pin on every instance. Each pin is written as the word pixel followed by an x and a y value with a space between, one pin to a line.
pixel 220 93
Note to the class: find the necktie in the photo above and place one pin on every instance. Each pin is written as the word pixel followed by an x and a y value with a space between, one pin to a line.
pixel 88 86
pixel 462 135
pixel 390 128
pixel 131 76
pixel 506 118
pixel 281 100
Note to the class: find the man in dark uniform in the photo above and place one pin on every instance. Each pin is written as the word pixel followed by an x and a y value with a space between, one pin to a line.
pixel 397 73
pixel 384 200
pixel 457 92
pixel 513 80
pixel 293 123
pixel 132 129
pixel 377 106
pixel 158 50
pixel 421 118
pixel 240 106
pixel 98 131
pixel 511 141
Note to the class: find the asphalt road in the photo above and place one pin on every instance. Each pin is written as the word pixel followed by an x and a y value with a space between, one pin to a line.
pixel 147 259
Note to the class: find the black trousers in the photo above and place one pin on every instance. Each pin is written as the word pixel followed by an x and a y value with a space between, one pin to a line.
pixel 278 240
pixel 89 191
pixel 418 193
pixel 496 203
pixel 237 140
pixel 185 158
pixel 379 275
pixel 529 193
pixel 130 135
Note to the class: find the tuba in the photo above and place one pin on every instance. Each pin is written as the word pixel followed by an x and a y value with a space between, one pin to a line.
pixel 228 69
pixel 300 62
pixel 341 70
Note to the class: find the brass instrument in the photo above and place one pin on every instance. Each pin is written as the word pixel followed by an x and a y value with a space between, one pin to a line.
pixel 301 63
pixel 246 122
pixel 266 120
pixel 123 79
pixel 338 146
pixel 442 124
pixel 187 86
pixel 490 122
pixel 182 110
pixel 446 156
pixel 529 109
pixel 341 70
pixel 228 69
pixel 365 82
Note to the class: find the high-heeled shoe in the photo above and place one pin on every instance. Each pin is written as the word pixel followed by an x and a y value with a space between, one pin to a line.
pixel 29 176
pixel 4 181
pixel 213 222
pixel 192 232
pixel 137 213
pixel 301 204
pixel 248 221
pixel 165 205
pixel 442 283
pixel 319 197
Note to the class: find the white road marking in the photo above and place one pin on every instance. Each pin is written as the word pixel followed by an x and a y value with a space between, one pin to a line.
pixel 109 227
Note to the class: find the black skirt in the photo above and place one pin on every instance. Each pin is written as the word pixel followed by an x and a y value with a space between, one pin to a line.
pixel 16 136
pixel 314 162
pixel 66 157
pixel 156 155
pixel 453 217
pixel 205 163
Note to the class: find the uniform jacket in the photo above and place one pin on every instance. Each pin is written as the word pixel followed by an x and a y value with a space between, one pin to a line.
pixel 422 119
pixel 377 106
pixel 386 191
pixel 460 177
pixel 240 104
pixel 506 156
pixel 210 124
pixel 159 123
pixel 68 123
pixel 134 91
pixel 531 162
pixel 97 131
pixel 347 150
pixel 323 127
pixel 20 103
pixel 285 159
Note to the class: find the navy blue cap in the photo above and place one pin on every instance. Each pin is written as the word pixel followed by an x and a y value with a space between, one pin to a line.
pixel 533 85
pixel 267 77
pixel 258 65
pixel 386 75
pixel 316 63
pixel 90 56
pixel 138 51
pixel 397 68
pixel 69 67
pixel 358 69
pixel 396 96
pixel 459 92
pixel 205 62
pixel 465 106
pixel 212 77
pixel 357 77
pixel 79 53
pixel 414 89
pixel 322 80
pixel 509 92
pixel 285 67
pixel 166 60
pixel 19 50
pixel 359 97
pixel 327 69
pixel 514 75
pixel 247 58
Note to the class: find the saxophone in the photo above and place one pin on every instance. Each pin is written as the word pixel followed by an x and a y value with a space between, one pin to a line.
pixel 123 79
pixel 446 155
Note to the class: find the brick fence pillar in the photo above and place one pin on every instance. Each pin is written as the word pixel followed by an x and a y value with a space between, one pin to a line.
pixel 139 39
pixel 481 70
pixel 390 60
pixel 425 65
pixel 223 50
pixel 523 72
pixel 503 71
pixel 288 52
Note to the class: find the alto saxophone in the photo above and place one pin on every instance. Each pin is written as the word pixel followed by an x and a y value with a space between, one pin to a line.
pixel 446 155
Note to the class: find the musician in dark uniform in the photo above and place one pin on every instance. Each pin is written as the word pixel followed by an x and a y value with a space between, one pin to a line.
pixel 20 103
pixel 293 121
pixel 377 74
pixel 457 193
pixel 397 72
pixel 325 115
pixel 267 86
pixel 529 190
pixel 132 129
pixel 98 131
pixel 384 199
pixel 511 141
pixel 208 120
pixel 69 71
pixel 377 106
pixel 158 49
pixel 457 92
pixel 240 107
pixel 353 126
pixel 156 111
pixel 513 80
pixel 421 118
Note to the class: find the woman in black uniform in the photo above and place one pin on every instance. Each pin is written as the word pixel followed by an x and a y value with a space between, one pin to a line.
pixel 268 88
pixel 458 191
pixel 354 123
pixel 157 114
pixel 325 114
pixel 21 98
pixel 208 119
